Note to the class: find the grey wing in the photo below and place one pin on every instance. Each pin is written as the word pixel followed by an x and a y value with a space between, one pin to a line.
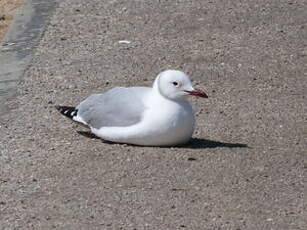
pixel 117 107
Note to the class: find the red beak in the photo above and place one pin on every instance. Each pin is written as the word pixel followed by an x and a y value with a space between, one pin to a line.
pixel 197 92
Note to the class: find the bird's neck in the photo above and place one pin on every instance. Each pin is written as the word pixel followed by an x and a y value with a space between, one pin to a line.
pixel 155 84
pixel 156 90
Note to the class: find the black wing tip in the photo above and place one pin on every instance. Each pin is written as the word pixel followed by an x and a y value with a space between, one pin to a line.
pixel 68 111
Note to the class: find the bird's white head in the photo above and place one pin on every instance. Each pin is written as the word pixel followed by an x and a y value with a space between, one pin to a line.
pixel 176 85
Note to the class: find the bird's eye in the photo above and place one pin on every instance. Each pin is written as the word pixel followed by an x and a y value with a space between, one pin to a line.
pixel 175 83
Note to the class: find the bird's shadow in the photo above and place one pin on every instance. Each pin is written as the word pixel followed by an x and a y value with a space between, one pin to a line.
pixel 194 143
pixel 198 143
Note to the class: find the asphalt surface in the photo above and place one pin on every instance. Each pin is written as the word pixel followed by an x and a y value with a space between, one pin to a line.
pixel 245 167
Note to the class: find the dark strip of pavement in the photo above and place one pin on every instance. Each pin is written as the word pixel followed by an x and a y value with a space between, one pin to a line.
pixel 19 43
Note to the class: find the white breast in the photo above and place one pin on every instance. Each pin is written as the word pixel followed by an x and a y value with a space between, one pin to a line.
pixel 169 123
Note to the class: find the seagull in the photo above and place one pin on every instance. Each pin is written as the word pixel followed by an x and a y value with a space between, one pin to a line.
pixel 147 116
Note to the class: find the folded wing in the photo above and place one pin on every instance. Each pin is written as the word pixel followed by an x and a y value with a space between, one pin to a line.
pixel 117 107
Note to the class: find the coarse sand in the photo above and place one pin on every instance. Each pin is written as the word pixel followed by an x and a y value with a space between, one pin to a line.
pixel 8 9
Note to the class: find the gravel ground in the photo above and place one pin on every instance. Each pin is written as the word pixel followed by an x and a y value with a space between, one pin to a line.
pixel 245 167
pixel 8 9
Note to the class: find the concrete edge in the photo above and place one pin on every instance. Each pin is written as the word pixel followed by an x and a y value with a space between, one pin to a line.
pixel 19 43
